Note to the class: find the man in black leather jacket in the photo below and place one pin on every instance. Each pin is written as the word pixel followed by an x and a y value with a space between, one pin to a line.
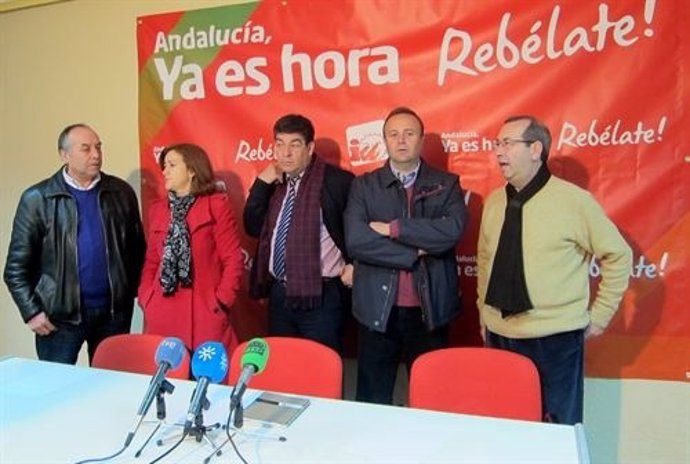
pixel 76 252
pixel 402 223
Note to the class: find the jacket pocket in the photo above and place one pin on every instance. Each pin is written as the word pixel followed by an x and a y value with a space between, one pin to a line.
pixel 45 290
pixel 145 297
pixel 217 308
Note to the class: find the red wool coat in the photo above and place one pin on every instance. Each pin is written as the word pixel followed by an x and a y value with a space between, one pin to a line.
pixel 199 313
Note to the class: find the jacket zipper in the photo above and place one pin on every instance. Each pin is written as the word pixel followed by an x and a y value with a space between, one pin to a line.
pixel 75 244
pixel 107 257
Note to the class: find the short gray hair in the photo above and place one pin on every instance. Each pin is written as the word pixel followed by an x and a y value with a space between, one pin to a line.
pixel 64 135
pixel 536 131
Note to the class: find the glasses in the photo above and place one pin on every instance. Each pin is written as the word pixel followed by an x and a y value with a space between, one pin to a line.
pixel 508 143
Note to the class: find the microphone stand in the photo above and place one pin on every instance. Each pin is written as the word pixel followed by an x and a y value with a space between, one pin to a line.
pixel 165 387
pixel 238 415
pixel 198 430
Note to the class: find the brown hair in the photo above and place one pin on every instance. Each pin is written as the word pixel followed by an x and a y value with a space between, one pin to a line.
pixel 197 161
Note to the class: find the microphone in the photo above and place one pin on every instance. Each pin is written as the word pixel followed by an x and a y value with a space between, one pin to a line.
pixel 209 365
pixel 253 362
pixel 169 355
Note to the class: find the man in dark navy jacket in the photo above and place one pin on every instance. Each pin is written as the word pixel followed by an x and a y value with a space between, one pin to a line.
pixel 402 223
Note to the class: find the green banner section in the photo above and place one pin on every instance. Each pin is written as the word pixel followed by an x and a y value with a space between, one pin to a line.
pixel 199 36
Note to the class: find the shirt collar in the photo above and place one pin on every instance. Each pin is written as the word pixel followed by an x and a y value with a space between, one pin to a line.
pixel 75 185
pixel 294 180
pixel 408 178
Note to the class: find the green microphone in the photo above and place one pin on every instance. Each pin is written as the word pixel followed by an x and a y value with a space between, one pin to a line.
pixel 253 362
pixel 254 357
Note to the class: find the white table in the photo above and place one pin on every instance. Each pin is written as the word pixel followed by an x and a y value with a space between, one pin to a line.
pixel 55 413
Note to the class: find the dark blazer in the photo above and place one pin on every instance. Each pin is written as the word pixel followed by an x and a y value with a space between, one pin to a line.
pixel 334 195
pixel 435 224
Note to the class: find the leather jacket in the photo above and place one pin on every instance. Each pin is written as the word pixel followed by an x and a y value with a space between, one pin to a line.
pixel 42 272
pixel 434 223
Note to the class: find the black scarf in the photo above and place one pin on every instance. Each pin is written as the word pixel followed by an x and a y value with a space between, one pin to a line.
pixel 507 286
pixel 177 256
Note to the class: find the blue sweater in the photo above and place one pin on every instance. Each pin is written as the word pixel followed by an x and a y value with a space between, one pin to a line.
pixel 94 284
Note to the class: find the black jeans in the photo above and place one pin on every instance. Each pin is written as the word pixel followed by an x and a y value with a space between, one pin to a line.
pixel 406 338
pixel 323 324
pixel 560 361
pixel 64 344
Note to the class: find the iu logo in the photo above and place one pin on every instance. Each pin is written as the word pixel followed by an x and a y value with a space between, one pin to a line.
pixel 365 143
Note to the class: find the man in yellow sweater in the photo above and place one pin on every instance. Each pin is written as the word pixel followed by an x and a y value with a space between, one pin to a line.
pixel 536 240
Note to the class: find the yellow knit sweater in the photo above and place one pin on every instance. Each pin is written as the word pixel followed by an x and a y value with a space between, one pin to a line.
pixel 563 226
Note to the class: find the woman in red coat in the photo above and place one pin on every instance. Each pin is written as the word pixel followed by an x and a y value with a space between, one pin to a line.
pixel 193 260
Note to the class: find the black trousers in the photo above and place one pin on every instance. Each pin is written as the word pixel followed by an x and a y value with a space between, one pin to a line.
pixel 406 338
pixel 323 324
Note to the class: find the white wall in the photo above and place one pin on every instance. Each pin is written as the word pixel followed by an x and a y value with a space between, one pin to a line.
pixel 638 421
pixel 76 62
pixel 62 63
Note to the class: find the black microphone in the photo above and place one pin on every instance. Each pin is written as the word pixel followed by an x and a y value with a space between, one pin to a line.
pixel 169 356
pixel 209 365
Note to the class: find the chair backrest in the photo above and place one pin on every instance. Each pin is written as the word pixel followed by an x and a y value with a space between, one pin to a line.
pixel 481 381
pixel 134 353
pixel 295 365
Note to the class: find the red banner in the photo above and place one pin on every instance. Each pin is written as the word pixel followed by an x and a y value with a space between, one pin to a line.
pixel 608 77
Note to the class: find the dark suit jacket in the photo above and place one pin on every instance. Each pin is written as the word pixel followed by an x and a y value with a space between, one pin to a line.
pixel 334 194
